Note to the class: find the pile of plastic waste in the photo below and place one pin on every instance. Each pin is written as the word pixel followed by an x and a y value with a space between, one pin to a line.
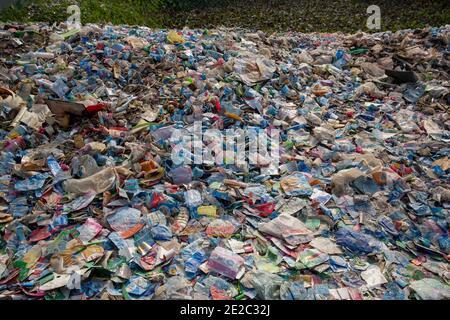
pixel 95 203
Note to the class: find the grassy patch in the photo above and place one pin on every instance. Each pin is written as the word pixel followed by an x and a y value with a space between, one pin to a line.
pixel 267 15
pixel 314 15
pixel 132 12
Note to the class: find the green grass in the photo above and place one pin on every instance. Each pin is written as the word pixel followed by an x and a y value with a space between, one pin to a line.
pixel 267 15
pixel 132 12
pixel 315 15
